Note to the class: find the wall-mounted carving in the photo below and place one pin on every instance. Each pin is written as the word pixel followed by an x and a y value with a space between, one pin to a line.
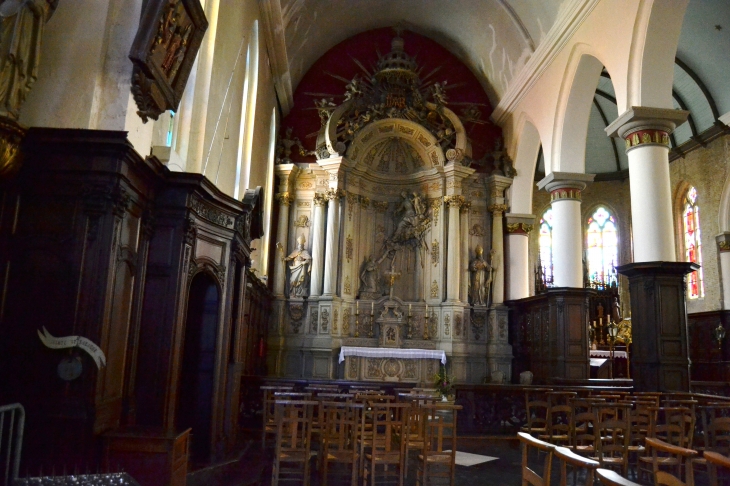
pixel 348 286
pixel 163 52
pixel 346 321
pixel 325 318
pixel 348 248
pixel 477 230
pixel 314 321
pixel 335 320
pixel 435 252
pixel 434 289
pixel 302 221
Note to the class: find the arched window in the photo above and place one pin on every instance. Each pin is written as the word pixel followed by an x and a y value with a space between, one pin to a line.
pixel 602 248
pixel 693 243
pixel 546 245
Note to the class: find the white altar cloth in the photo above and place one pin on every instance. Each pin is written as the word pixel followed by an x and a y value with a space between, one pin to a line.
pixel 392 353
pixel 602 353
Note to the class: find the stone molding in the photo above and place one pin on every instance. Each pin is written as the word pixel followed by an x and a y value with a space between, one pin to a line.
pixel 565 180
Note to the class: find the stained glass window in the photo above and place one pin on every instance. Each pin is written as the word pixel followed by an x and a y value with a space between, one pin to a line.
pixel 602 248
pixel 693 243
pixel 546 245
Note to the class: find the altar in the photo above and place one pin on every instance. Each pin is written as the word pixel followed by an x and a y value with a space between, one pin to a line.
pixel 391 364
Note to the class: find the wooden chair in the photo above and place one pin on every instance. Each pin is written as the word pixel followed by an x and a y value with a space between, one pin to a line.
pixel 293 440
pixel 389 423
pixel 612 478
pixel 415 435
pixel 715 432
pixel 716 461
pixel 536 407
pixel 670 425
pixel 682 459
pixel 613 435
pixel 582 434
pixel 268 425
pixel 529 476
pixel 435 460
pixel 342 424
pixel 578 463
pixel 560 418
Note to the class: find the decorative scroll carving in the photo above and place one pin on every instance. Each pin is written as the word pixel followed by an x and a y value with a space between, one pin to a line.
pixel 296 311
pixel 335 320
pixel 320 199
pixel 352 200
pixel 447 325
pixel 380 206
pixel 434 289
pixel 364 202
pixel 519 228
pixel 346 321
pixel 325 319
pixel 454 201
pixel 435 209
pixel 213 215
pixel 353 367
pixel 314 321
pixel 477 230
pixel 478 321
pixel 284 198
pixel 348 286
pixel 302 221
pixel 348 248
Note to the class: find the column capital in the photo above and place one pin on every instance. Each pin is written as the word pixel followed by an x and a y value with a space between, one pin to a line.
pixel 519 224
pixel 334 194
pixel 496 185
pixel 466 206
pixel 320 199
pixel 647 121
pixel 455 200
pixel 497 208
pixel 364 202
pixel 284 198
pixel 565 185
pixel 723 242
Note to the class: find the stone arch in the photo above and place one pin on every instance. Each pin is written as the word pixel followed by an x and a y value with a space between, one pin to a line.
pixel 527 147
pixel 653 49
pixel 413 134
pixel 573 111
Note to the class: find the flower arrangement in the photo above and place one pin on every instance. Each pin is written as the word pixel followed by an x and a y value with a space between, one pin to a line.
pixel 443 382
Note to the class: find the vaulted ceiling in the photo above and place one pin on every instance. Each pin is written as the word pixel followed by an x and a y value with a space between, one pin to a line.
pixel 495 38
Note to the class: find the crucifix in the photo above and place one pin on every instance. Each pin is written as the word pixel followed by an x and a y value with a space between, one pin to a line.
pixel 393 275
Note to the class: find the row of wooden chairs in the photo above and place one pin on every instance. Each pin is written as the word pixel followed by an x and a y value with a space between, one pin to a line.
pixel 592 469
pixel 368 434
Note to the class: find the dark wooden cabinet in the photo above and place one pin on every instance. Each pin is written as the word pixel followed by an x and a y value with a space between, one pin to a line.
pixel 96 241
pixel 549 335
pixel 709 361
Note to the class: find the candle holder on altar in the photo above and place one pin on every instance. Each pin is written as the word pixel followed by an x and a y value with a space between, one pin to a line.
pixel 357 322
pixel 425 327
pixel 410 323
pixel 601 333
pixel 372 318
pixel 612 330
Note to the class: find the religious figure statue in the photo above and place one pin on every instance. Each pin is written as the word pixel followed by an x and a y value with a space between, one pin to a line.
pixel 370 277
pixel 300 269
pixel 615 311
pixel 21 31
pixel 481 274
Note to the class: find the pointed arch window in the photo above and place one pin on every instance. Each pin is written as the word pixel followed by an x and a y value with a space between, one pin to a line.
pixel 693 243
pixel 546 246
pixel 602 248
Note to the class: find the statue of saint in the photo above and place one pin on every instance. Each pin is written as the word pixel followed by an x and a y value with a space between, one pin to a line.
pixel 615 311
pixel 300 269
pixel 481 278
pixel 21 31
pixel 370 277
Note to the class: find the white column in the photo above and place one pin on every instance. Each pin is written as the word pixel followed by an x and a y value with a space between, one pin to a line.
pixel 517 251
pixel 645 132
pixel 452 269
pixel 318 244
pixel 464 263
pixel 565 196
pixel 497 211
pixel 282 236
pixel 332 245
pixel 723 247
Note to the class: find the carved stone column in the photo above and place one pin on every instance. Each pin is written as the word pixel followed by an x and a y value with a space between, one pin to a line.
pixel 318 244
pixel 496 186
pixel 332 245
pixel 453 274
pixel 286 174
pixel 517 255
pixel 464 263
pixel 565 196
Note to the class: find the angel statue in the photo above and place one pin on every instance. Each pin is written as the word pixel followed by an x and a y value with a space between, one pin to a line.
pixel 300 269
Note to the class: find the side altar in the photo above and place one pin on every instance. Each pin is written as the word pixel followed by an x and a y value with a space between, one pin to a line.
pixel 380 243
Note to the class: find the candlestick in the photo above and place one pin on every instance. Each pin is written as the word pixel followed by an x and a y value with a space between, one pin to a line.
pixel 425 325
pixel 409 310
pixel 357 307
pixel 372 308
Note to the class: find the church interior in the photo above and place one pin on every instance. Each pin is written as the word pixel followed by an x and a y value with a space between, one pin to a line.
pixel 222 220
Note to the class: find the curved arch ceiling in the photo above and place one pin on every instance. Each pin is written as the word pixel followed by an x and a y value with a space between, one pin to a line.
pixel 493 37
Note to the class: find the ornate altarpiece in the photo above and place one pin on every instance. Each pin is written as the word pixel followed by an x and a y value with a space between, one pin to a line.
pixel 391 214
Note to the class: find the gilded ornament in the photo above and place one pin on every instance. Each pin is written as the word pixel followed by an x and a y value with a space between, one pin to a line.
pixel 519 228
pixel 348 248
pixel 380 206
pixel 447 325
pixel 302 221
pixel 11 136
pixel 364 202
pixel 320 199
pixel 284 198
pixel 570 193
pixel 456 200
pixel 477 230
pixel 348 285
pixel 346 321
pixel 723 245
pixel 434 289
pixel 435 252
pixel 498 208
pixel 335 320
pixel 352 199
pixel 435 209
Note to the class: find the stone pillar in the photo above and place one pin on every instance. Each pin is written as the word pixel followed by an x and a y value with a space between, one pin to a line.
pixel 332 245
pixel 723 247
pixel 518 257
pixel 282 236
pixel 453 274
pixel 496 185
pixel 464 263
pixel 645 132
pixel 565 196
pixel 318 244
